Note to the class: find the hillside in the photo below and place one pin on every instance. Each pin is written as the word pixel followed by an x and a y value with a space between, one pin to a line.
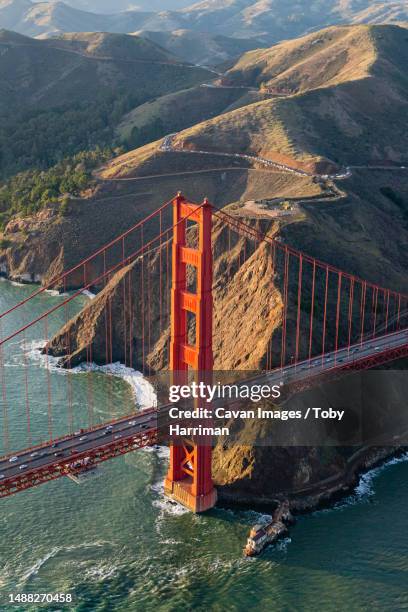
pixel 69 93
pixel 202 47
pixel 327 91
pixel 268 20
pixel 157 118
pixel 116 46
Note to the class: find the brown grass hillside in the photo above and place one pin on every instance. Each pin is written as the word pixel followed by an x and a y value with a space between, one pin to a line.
pixel 340 94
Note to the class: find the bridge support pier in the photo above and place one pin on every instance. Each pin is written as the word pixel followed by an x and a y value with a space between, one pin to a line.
pixel 189 479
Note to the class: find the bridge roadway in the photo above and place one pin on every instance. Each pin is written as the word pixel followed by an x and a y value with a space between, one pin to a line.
pixel 140 429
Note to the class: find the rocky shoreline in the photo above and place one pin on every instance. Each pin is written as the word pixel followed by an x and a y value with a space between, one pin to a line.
pixel 321 495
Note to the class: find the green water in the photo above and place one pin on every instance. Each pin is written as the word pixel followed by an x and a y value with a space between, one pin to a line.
pixel 114 543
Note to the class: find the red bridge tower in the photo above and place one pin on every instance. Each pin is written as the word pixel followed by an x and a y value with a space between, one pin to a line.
pixel 189 478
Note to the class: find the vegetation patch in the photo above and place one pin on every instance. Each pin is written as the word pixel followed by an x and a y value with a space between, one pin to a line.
pixel 30 191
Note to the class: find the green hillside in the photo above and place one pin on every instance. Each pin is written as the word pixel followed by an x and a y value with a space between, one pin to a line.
pixel 157 118
pixel 65 95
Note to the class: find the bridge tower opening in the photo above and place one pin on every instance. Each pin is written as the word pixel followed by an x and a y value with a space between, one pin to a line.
pixel 189 479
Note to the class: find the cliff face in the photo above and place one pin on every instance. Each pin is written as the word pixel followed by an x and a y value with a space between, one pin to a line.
pixel 42 259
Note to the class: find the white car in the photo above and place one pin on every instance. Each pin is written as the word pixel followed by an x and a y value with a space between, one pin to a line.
pixel 13 459
pixel 83 438
pixel 118 436
pixel 34 454
pixel 132 423
pixel 23 467
pixel 2 476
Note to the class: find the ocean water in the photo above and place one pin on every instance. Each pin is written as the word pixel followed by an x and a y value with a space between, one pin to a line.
pixel 116 544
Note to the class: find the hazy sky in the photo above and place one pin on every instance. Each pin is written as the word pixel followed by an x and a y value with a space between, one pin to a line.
pixel 114 6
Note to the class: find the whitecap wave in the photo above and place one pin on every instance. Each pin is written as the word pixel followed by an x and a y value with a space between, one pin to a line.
pixel 143 391
pixel 88 294
pixel 162 452
pixel 282 545
pixel 36 567
pixel 56 293
pixel 365 489
pixel 101 572
pixel 166 505
pixel 33 350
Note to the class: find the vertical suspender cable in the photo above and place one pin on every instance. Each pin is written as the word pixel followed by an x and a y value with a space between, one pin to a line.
pixel 160 274
pixel 142 298
pixel 299 300
pixel 124 306
pixel 362 313
pixel 350 312
pixel 337 315
pixel 285 306
pixel 325 312
pixel 312 311
pixel 149 308
pixel 69 373
pixel 48 379
pixel 399 311
pixel 4 397
pixel 26 391
pixel 131 317
pixel 375 312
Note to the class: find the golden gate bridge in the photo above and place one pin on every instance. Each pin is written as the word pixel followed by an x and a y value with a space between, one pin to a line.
pixel 158 288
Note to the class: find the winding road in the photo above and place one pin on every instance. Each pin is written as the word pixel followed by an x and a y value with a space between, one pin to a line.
pixel 168 146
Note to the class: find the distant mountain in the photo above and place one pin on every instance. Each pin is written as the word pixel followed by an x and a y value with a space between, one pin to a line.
pixel 53 18
pixel 268 20
pixel 62 95
pixel 114 6
pixel 200 47
pixel 279 19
